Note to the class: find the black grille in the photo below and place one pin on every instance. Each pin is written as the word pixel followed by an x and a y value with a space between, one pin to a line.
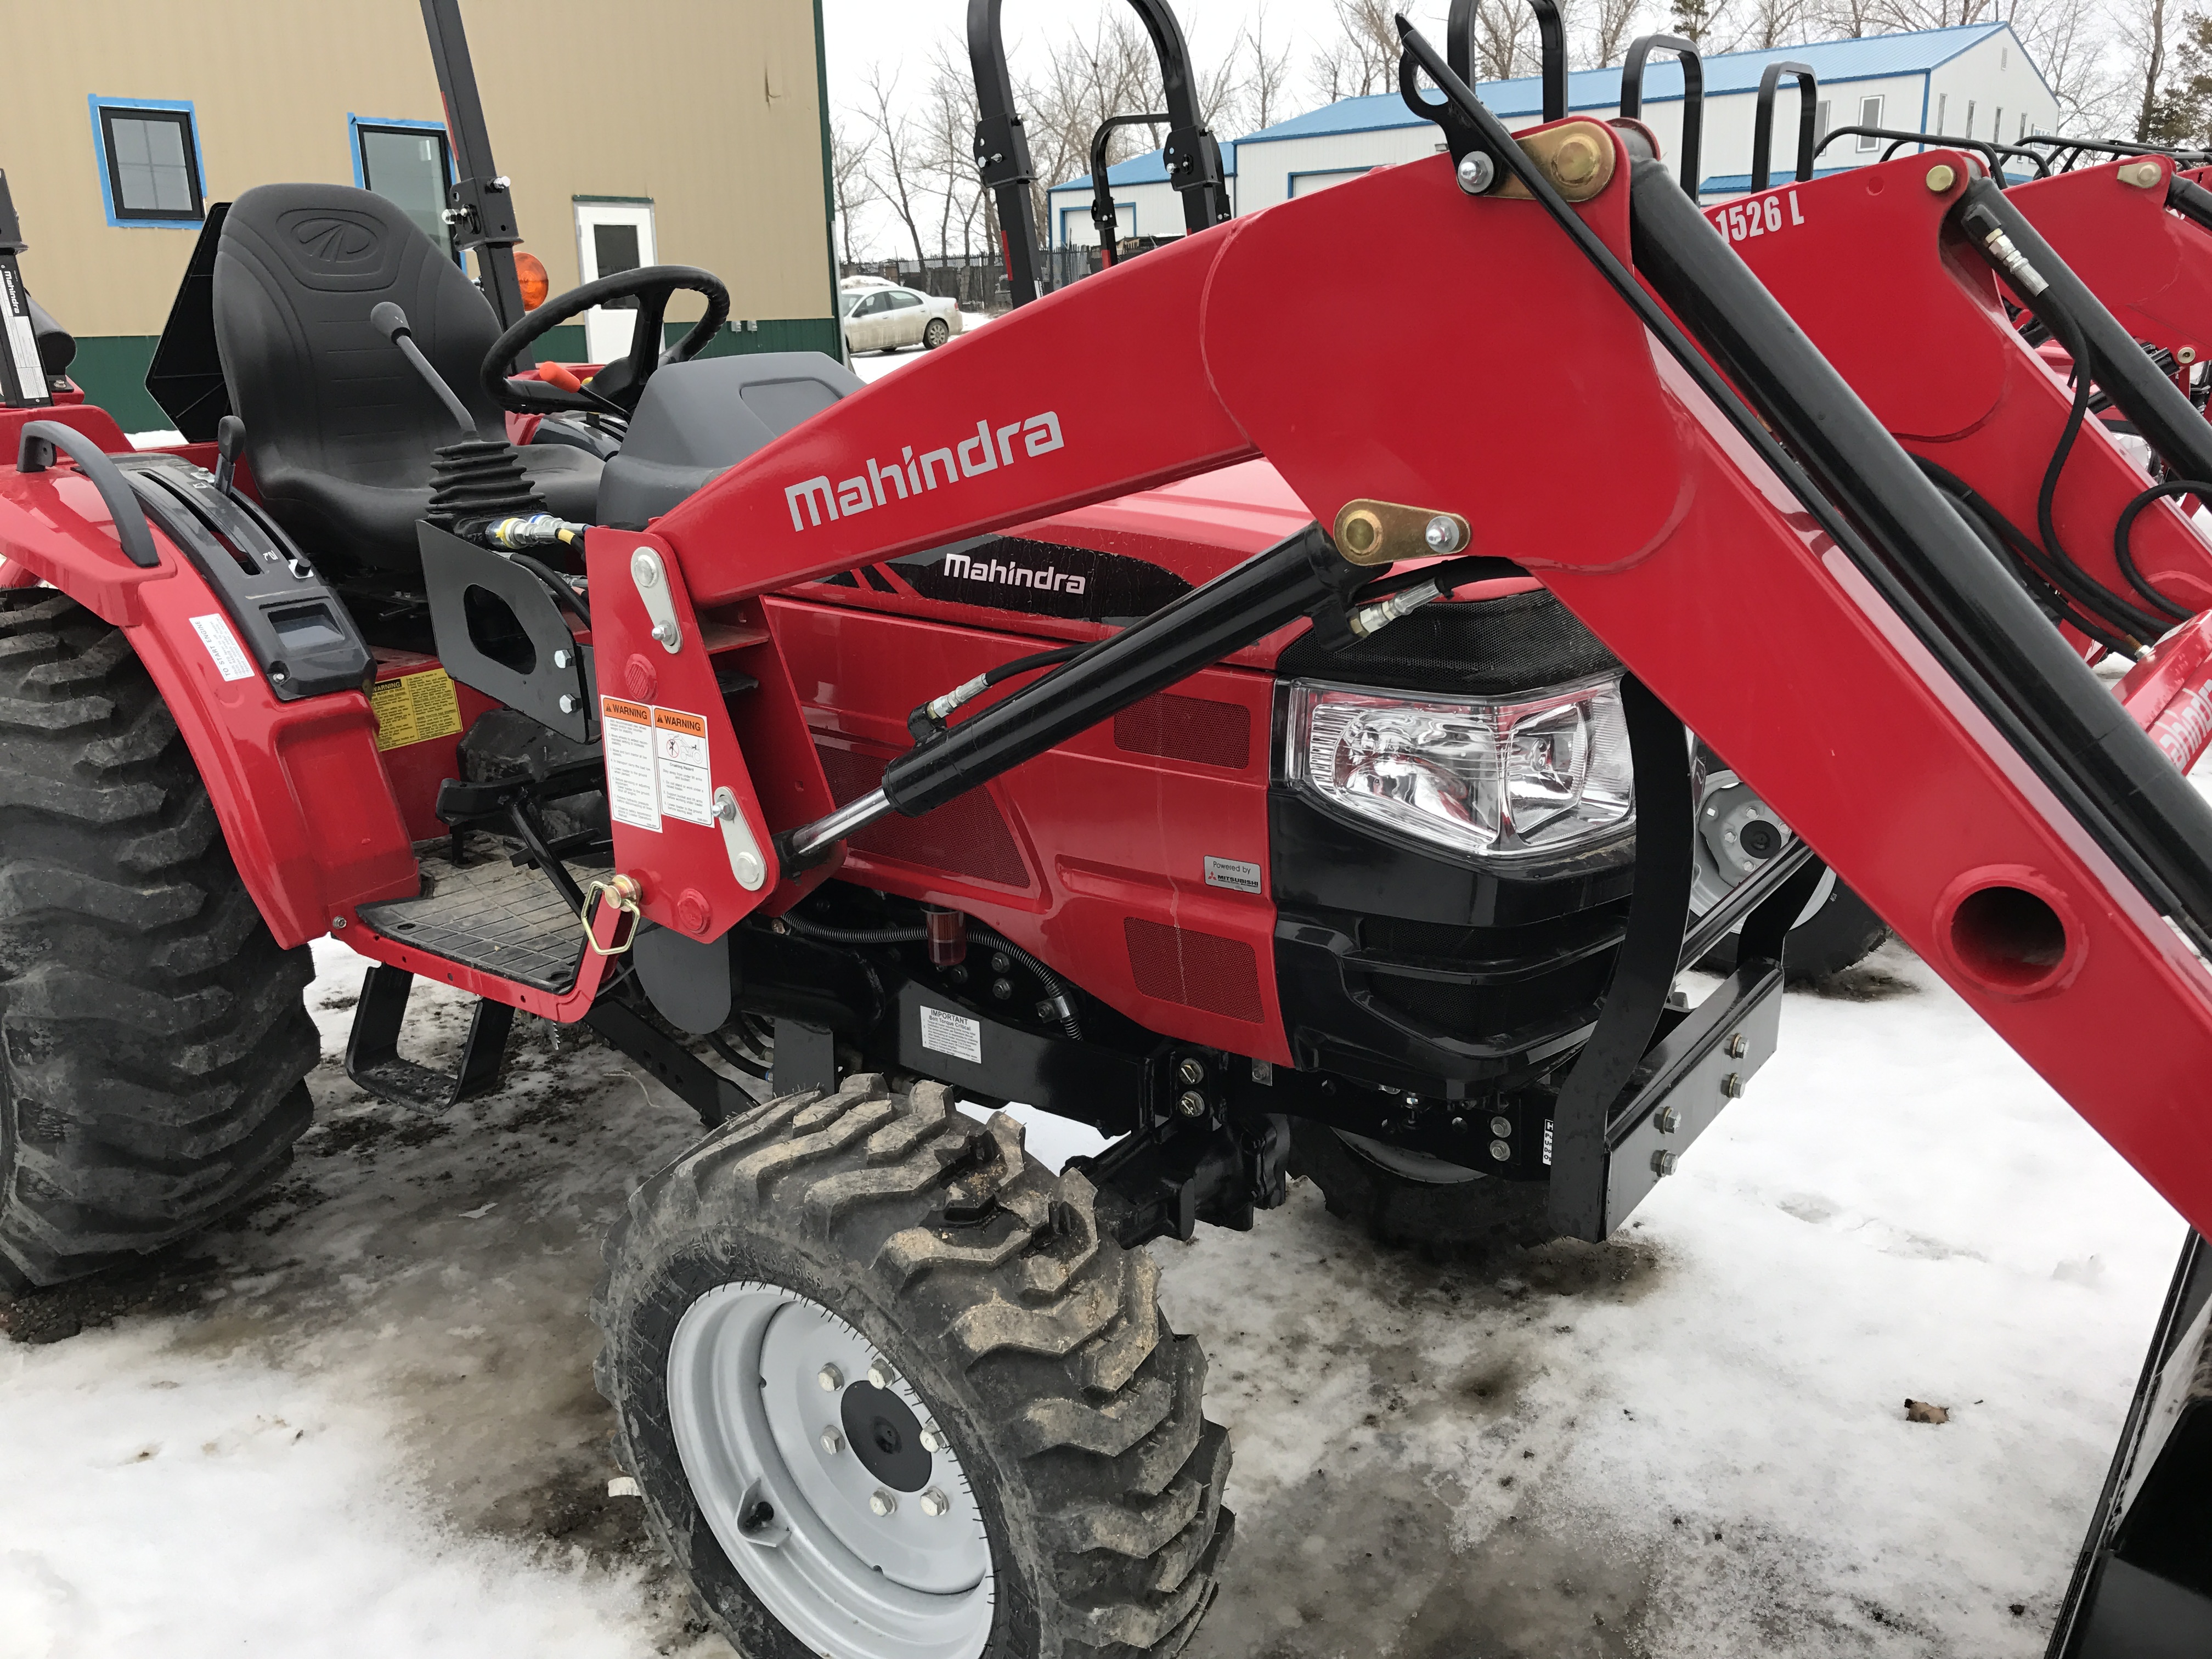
pixel 1523 642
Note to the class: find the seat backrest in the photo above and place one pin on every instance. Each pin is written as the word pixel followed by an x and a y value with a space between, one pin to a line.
pixel 297 268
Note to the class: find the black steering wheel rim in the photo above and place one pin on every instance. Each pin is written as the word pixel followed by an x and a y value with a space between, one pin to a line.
pixel 617 386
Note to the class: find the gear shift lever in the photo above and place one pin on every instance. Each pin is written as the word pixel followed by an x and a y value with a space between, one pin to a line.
pixel 229 438
pixel 390 322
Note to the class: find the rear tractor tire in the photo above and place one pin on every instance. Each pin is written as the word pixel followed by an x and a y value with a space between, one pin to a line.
pixel 1400 1197
pixel 154 1042
pixel 888 1393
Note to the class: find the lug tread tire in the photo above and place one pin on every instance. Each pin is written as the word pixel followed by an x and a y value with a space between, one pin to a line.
pixel 1037 1338
pixel 154 1041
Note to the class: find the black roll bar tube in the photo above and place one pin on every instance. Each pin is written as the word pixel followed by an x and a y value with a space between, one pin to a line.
pixel 1002 148
pixel 481 212
pixel 1762 120
pixel 1803 422
pixel 1694 97
pixel 1551 32
pixel 2081 147
pixel 1981 146
pixel 1101 193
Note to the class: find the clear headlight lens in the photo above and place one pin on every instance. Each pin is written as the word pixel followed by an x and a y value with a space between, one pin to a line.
pixel 1496 780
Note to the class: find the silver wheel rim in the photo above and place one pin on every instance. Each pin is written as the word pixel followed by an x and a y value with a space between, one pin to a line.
pixel 1407 1164
pixel 749 1408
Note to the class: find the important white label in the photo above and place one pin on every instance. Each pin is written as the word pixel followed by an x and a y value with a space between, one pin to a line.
pixel 1235 874
pixel 222 645
pixel 626 734
pixel 951 1034
pixel 23 343
pixel 679 755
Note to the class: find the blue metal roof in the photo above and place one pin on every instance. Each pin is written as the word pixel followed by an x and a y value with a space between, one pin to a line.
pixel 1861 59
pixel 1150 169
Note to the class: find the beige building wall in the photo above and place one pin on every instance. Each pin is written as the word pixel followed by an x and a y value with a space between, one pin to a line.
pixel 712 108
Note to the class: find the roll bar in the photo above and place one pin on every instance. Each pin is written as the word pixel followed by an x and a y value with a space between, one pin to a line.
pixel 1102 191
pixel 1002 148
pixel 1899 138
pixel 2109 147
pixel 1459 43
pixel 1762 120
pixel 1694 97
pixel 482 210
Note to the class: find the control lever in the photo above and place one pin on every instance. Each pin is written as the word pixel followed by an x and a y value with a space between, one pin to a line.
pixel 390 321
pixel 229 438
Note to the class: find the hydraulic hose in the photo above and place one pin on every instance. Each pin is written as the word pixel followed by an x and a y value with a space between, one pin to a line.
pixel 2125 528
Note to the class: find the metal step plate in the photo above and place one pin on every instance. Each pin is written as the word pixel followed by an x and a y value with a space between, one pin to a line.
pixel 492 915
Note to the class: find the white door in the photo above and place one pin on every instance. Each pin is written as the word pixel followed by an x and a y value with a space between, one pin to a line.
pixel 612 237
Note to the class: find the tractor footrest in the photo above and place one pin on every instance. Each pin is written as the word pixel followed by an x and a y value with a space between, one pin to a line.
pixel 373 1048
pixel 496 917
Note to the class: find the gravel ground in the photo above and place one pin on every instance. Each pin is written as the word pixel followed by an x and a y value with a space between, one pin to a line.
pixel 359 1420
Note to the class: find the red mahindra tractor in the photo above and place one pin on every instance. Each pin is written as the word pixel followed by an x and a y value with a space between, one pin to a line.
pixel 910 743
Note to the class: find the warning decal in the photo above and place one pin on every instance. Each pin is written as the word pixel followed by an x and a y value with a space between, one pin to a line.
pixel 415 709
pixel 680 754
pixel 633 794
pixel 222 650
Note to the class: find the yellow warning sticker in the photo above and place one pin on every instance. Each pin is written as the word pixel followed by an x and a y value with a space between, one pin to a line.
pixel 415 709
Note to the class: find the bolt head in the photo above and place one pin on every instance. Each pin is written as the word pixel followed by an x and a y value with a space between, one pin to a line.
pixel 664 632
pixel 1443 534
pixel 1002 987
pixel 1501 1127
pixel 1193 1070
pixel 1941 177
pixel 832 1442
pixel 1732 1085
pixel 2142 174
pixel 880 1375
pixel 1670 1119
pixel 726 806
pixel 1662 1164
pixel 1501 1150
pixel 1738 1045
pixel 1191 1104
pixel 1475 172
pixel 645 568
pixel 830 1378
pixel 568 703
pixel 561 659
pixel 930 1440
pixel 881 1502
pixel 2186 355
pixel 934 1502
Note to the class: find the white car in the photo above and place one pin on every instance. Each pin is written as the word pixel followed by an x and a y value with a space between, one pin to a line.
pixel 887 318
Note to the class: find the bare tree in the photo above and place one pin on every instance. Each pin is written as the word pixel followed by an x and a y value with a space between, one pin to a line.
pixel 1110 71
pixel 1362 57
pixel 1262 90
pixel 945 155
pixel 895 170
pixel 848 177
pixel 1763 25
pixel 2147 31
pixel 1607 38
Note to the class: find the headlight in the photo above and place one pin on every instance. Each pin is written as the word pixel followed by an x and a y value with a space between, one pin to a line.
pixel 1495 780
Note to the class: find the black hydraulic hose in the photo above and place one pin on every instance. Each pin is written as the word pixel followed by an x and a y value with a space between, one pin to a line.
pixel 563 595
pixel 1451 574
pixel 2125 553
pixel 824 933
pixel 1063 1006
pixel 2093 594
pixel 1007 671
pixel 2023 558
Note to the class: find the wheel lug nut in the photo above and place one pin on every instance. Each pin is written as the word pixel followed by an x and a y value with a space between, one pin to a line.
pixel 882 1502
pixel 880 1374
pixel 832 1442
pixel 934 1502
pixel 929 1440
pixel 830 1378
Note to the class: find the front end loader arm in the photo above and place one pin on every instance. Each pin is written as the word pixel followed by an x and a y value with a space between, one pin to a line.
pixel 1819 613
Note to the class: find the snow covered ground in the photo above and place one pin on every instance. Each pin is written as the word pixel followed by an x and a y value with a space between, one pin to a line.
pixel 360 1421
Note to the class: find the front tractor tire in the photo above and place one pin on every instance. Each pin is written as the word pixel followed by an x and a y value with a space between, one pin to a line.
pixel 888 1393
pixel 154 1042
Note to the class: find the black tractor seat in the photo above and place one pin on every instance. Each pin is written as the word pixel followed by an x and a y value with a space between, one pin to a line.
pixel 340 432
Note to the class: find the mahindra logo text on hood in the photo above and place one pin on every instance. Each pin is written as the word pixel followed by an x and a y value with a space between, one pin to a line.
pixel 990 449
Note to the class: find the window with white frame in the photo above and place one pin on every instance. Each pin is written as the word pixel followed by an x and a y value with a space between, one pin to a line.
pixel 1870 116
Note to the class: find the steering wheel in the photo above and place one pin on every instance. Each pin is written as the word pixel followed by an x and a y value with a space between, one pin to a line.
pixel 615 388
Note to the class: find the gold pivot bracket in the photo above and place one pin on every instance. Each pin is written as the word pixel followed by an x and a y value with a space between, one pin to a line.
pixel 1382 532
pixel 1576 157
pixel 623 892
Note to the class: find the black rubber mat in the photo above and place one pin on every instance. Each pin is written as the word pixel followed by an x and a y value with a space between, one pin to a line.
pixel 490 915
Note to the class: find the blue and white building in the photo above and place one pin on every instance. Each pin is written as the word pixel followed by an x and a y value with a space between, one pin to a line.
pixel 1975 82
